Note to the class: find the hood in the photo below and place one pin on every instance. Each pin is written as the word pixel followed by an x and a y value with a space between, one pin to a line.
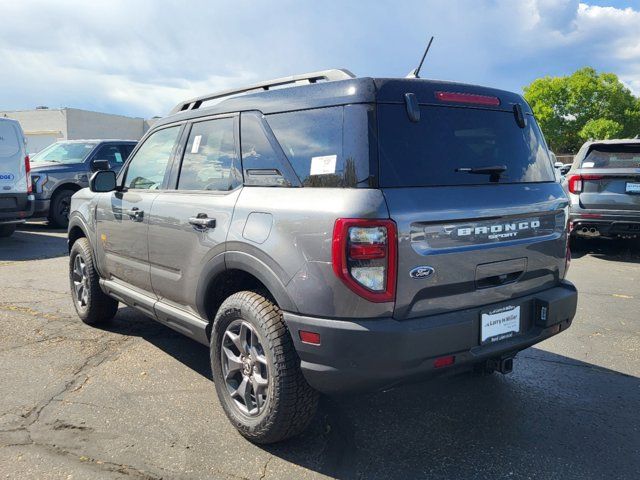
pixel 53 167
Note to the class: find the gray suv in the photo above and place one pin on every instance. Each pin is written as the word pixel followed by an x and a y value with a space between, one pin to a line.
pixel 326 233
pixel 604 190
pixel 64 167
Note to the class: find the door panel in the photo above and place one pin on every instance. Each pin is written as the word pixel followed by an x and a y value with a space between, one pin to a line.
pixel 188 226
pixel 178 250
pixel 122 226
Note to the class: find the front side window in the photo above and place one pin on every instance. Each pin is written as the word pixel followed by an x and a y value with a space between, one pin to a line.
pixel 114 154
pixel 64 152
pixel 147 168
pixel 210 157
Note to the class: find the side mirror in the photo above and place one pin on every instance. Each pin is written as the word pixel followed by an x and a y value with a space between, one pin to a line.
pixel 97 165
pixel 558 164
pixel 103 181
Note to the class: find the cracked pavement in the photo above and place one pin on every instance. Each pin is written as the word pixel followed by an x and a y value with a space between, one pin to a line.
pixel 135 399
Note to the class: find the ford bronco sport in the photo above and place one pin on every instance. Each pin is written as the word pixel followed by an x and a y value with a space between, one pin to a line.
pixel 325 233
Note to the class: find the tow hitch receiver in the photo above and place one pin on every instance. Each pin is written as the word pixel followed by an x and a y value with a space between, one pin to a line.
pixel 503 365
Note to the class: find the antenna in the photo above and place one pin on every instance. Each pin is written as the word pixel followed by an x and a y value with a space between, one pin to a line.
pixel 416 73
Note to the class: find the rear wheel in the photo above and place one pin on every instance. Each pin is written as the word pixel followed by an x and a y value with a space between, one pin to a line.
pixel 92 304
pixel 256 370
pixel 7 230
pixel 60 207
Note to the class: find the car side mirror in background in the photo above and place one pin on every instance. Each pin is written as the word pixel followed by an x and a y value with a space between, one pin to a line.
pixel 558 164
pixel 103 181
pixel 97 165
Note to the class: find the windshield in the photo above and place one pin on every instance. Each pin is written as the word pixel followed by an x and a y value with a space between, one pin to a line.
pixel 613 156
pixel 64 153
pixel 459 146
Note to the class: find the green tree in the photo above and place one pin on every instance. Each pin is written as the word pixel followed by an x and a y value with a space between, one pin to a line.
pixel 601 129
pixel 584 105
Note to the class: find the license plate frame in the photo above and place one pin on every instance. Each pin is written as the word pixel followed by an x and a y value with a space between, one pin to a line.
pixel 500 323
pixel 634 189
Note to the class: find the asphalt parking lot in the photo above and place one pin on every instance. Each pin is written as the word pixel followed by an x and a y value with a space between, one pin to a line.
pixel 136 400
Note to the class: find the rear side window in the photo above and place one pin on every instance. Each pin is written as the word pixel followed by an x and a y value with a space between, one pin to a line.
pixel 9 141
pixel 210 157
pixel 613 156
pixel 447 143
pixel 263 162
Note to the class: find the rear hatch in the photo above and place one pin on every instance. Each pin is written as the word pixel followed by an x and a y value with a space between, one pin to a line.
pixel 610 175
pixel 13 177
pixel 480 216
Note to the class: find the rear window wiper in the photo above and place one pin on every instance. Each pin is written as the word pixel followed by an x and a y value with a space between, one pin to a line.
pixel 487 170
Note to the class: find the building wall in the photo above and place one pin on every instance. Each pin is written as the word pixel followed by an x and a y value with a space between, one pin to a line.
pixel 45 126
pixel 83 124
pixel 41 127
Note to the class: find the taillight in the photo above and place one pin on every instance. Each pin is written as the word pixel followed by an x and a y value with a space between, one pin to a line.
pixel 471 98
pixel 575 183
pixel 364 257
pixel 27 168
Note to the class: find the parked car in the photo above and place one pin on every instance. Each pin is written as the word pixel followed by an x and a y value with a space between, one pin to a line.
pixel 342 234
pixel 604 190
pixel 16 198
pixel 64 167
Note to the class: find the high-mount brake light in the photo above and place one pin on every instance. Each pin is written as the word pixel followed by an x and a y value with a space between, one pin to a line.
pixel 470 98
pixel 364 256
pixel 27 168
pixel 575 183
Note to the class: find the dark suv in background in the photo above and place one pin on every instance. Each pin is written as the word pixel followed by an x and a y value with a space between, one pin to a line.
pixel 340 235
pixel 604 189
pixel 64 167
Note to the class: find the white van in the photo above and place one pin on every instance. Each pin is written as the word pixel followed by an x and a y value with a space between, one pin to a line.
pixel 16 197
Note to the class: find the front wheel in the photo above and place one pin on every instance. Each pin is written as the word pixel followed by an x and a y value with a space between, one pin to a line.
pixel 92 304
pixel 257 372
pixel 60 207
pixel 7 230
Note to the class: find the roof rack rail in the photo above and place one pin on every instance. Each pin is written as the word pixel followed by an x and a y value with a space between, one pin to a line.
pixel 313 77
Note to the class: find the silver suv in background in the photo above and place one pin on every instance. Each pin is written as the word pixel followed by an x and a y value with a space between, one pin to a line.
pixel 64 167
pixel 16 198
pixel 339 235
pixel 604 190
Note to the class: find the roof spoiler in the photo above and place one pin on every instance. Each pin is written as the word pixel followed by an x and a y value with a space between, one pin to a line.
pixel 313 77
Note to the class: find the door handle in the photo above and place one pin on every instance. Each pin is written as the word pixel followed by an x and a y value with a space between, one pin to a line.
pixel 202 222
pixel 136 214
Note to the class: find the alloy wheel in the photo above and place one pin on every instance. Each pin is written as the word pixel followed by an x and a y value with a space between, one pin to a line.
pixel 244 368
pixel 80 281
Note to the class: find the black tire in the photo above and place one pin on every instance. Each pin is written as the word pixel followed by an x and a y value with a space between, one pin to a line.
pixel 7 230
pixel 92 304
pixel 60 206
pixel 289 402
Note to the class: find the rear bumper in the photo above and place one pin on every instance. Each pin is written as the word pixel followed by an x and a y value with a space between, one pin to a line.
pixel 16 207
pixel 360 355
pixel 597 223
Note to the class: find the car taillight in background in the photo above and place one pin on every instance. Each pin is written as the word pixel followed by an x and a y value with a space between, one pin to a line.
pixel 364 257
pixel 27 168
pixel 575 183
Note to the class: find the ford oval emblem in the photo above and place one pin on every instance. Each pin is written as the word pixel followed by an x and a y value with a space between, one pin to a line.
pixel 421 272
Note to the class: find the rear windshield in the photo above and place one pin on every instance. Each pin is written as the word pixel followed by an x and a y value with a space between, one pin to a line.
pixel 613 156
pixel 448 144
pixel 74 152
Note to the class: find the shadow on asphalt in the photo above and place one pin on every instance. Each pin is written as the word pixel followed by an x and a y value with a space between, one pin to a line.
pixel 33 241
pixel 553 417
pixel 607 249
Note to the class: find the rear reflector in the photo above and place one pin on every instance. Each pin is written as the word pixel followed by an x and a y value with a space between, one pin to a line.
pixel 312 338
pixel 470 98
pixel 444 361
